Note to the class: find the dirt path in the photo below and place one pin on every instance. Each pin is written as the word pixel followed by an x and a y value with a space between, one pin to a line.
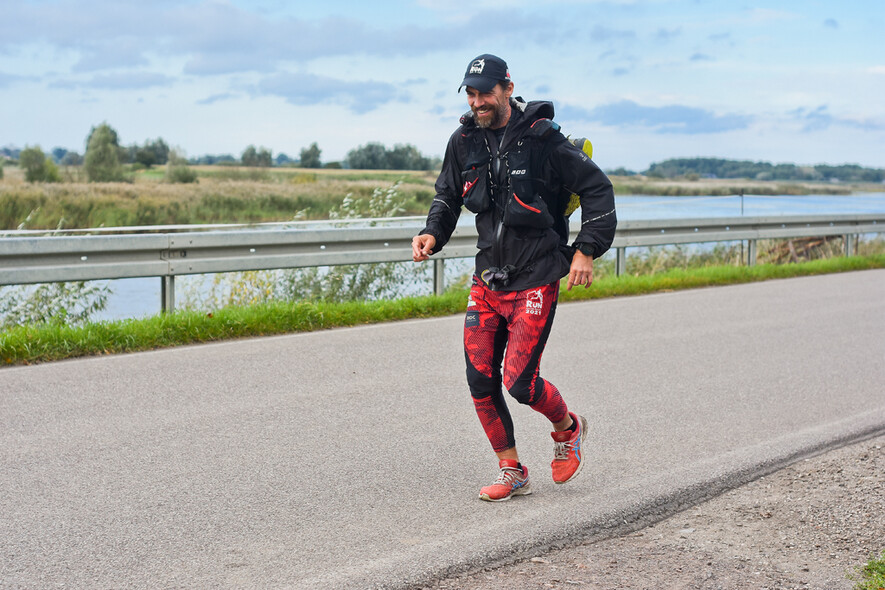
pixel 807 526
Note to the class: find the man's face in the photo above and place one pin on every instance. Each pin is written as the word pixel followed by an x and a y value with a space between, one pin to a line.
pixel 491 110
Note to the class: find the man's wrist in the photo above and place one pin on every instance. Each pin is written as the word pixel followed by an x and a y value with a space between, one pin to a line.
pixel 584 248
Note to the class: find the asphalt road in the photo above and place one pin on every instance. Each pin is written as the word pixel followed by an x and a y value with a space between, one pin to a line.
pixel 352 458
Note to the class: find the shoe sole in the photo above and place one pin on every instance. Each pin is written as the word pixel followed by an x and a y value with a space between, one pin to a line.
pixel 581 464
pixel 523 491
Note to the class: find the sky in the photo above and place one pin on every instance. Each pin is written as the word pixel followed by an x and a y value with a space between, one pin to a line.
pixel 793 81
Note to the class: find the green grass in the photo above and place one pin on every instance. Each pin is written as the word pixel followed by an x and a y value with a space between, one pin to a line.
pixel 676 279
pixel 49 342
pixel 872 575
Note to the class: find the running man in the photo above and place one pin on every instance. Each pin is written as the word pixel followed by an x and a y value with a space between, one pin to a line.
pixel 509 164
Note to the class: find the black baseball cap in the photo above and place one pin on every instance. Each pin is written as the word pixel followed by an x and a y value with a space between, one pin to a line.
pixel 484 72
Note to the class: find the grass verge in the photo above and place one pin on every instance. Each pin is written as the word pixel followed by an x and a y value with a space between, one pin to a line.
pixel 872 575
pixel 49 342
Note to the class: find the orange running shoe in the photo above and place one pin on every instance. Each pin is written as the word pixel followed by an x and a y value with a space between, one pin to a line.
pixel 568 450
pixel 512 481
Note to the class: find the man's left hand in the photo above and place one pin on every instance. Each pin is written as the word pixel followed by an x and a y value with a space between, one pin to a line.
pixel 581 272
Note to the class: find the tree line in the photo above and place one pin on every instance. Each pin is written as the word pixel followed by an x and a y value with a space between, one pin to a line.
pixel 372 156
pixel 719 168
pixel 105 158
pixel 104 161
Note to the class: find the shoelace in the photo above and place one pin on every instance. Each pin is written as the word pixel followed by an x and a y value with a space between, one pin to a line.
pixel 507 475
pixel 561 450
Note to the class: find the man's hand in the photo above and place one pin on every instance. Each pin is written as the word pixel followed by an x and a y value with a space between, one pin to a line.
pixel 581 272
pixel 422 246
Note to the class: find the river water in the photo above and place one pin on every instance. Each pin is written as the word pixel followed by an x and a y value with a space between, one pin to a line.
pixel 631 207
pixel 134 298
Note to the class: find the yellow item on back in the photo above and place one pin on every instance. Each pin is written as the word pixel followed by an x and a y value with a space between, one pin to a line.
pixel 583 144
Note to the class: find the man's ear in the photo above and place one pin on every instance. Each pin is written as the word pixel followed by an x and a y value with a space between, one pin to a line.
pixel 508 91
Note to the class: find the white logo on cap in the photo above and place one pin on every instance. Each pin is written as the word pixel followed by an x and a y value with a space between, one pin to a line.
pixel 478 66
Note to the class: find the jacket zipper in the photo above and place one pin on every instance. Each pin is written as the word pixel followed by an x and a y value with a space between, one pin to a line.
pixel 509 195
pixel 499 231
pixel 498 213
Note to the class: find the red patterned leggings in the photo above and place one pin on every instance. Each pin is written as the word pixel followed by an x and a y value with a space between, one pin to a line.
pixel 504 336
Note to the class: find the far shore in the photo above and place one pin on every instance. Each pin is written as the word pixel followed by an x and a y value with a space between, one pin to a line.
pixel 645 185
pixel 238 194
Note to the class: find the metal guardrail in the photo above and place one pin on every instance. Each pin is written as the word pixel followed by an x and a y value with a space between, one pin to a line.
pixel 27 259
pixel 749 229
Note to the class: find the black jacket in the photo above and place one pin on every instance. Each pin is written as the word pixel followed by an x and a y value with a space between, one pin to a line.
pixel 520 203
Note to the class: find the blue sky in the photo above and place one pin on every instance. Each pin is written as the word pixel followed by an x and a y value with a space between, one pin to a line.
pixel 789 81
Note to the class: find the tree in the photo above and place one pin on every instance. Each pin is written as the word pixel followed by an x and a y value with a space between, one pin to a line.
pixel 372 156
pixel 260 157
pixel 146 157
pixel 102 160
pixel 375 156
pixel 310 156
pixel 37 167
pixel 226 159
pixel 250 156
pixel 264 158
pixel 109 129
pixel 32 161
pixel 124 155
pixel 58 154
pixel 160 149
pixel 406 157
pixel 72 159
pixel 152 153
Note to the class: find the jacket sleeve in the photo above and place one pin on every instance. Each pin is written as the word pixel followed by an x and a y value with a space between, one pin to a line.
pixel 446 206
pixel 580 175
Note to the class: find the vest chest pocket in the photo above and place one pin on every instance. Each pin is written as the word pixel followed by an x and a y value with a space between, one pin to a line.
pixel 525 206
pixel 527 212
pixel 475 192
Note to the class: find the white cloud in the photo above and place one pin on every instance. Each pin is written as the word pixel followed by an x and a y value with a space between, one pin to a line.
pixel 309 89
pixel 716 77
pixel 678 119
pixel 7 80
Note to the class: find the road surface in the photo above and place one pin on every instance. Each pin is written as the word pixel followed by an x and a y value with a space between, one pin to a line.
pixel 352 458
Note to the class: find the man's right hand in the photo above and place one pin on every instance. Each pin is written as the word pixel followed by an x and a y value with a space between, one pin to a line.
pixel 422 246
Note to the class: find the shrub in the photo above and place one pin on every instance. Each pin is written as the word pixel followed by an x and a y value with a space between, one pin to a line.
pixel 177 170
pixel 37 167
pixel 352 282
pixel 52 303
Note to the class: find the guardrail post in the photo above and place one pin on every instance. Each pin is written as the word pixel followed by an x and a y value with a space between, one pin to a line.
pixel 621 261
pixel 848 240
pixel 439 276
pixel 751 252
pixel 167 293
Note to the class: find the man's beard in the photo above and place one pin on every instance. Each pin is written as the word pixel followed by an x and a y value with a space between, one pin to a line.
pixel 493 122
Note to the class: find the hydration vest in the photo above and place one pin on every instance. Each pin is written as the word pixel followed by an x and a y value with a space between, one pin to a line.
pixel 522 196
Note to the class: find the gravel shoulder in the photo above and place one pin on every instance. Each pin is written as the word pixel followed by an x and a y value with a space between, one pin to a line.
pixel 809 525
